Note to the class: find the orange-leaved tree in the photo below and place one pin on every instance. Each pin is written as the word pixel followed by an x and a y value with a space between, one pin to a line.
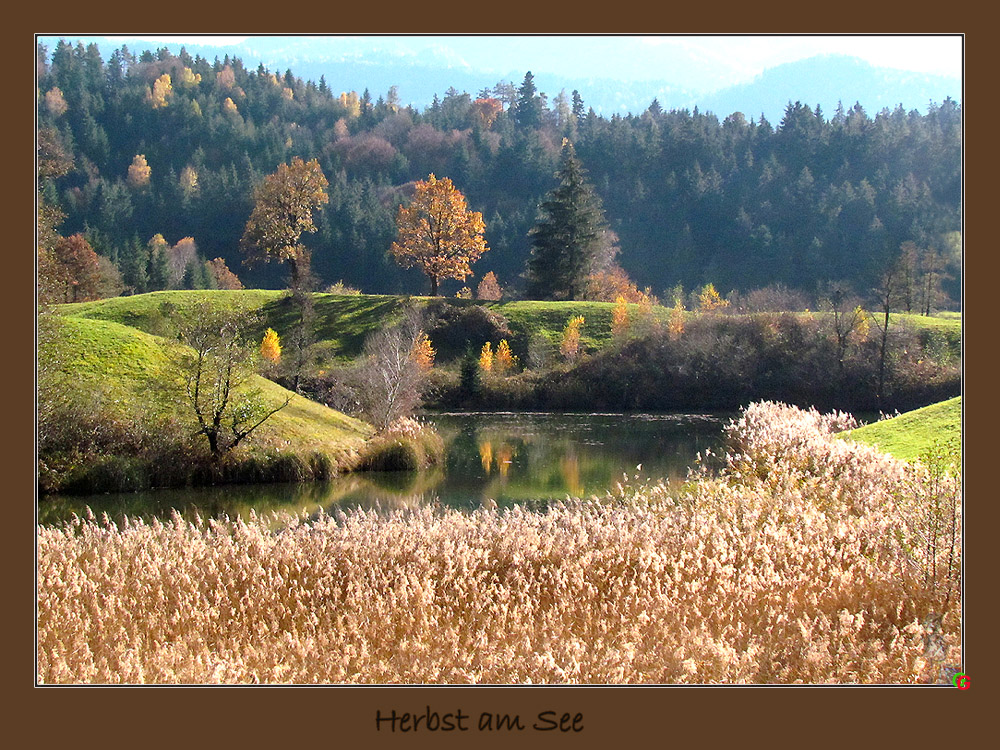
pixel 438 233
pixel 423 353
pixel 283 206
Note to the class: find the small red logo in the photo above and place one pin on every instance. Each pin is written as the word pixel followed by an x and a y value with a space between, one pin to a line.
pixel 961 681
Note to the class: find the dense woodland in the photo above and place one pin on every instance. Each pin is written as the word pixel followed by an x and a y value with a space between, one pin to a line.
pixel 161 154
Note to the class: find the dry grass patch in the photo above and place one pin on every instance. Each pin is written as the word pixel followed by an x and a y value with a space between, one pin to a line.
pixel 805 559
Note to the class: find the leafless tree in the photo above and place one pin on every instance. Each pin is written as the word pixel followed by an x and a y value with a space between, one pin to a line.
pixel 848 316
pixel 387 382
pixel 217 370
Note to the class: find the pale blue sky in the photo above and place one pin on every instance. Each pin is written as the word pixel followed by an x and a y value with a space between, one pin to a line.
pixel 714 61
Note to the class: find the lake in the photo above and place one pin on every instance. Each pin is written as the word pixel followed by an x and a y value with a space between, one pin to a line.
pixel 507 458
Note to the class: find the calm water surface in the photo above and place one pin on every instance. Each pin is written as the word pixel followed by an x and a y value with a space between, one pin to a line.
pixel 507 458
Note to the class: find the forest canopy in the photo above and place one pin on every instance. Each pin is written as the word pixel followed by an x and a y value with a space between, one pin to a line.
pixel 174 145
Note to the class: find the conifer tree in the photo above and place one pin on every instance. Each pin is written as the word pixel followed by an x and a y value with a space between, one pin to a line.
pixel 566 239
pixel 528 110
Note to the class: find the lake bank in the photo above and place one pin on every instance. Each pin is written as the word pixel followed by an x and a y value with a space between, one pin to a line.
pixel 508 459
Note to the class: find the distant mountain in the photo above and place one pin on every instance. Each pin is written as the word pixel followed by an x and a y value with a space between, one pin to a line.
pixel 827 80
pixel 361 63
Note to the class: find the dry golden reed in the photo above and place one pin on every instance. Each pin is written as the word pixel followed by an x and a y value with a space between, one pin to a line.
pixel 803 559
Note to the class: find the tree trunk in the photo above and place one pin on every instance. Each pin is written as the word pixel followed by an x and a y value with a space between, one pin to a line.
pixel 434 286
pixel 881 357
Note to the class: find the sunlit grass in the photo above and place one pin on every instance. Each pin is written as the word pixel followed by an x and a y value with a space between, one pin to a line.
pixel 911 435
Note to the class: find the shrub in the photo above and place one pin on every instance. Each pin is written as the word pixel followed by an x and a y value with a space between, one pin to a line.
pixel 454 328
pixel 405 446
pixel 341 288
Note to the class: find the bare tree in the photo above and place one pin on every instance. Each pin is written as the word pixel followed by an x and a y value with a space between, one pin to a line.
pixel 887 294
pixel 387 382
pixel 217 373
pixel 848 317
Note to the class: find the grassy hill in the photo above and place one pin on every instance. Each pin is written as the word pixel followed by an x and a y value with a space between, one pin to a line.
pixel 343 321
pixel 913 434
pixel 114 410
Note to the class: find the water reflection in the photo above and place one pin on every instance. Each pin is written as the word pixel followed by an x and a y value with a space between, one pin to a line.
pixel 502 458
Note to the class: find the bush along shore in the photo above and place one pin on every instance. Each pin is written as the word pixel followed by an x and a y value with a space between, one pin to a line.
pixel 801 558
pixel 718 362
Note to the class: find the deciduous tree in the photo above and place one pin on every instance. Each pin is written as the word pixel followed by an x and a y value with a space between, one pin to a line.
pixel 570 346
pixel 486 357
pixel 504 360
pixel 709 299
pixel 283 209
pixel 218 369
pixel 77 268
pixel 489 288
pixel 387 383
pixel 619 318
pixel 270 347
pixel 438 233
pixel 423 353
pixel 139 172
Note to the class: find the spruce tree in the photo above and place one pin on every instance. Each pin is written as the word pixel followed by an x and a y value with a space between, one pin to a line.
pixel 528 110
pixel 567 237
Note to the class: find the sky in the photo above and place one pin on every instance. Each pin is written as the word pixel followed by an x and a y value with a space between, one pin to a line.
pixel 702 62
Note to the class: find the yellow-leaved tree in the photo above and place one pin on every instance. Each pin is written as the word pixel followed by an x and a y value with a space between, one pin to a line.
pixel 162 88
pixel 710 300
pixel 139 172
pixel 676 326
pixel 570 346
pixel 486 357
pixel 270 347
pixel 504 360
pixel 438 233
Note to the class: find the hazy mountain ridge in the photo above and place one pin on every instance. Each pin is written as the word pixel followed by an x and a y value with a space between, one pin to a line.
pixel 827 80
pixel 360 63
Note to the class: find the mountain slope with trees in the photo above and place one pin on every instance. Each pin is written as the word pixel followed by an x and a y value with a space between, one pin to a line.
pixel 172 147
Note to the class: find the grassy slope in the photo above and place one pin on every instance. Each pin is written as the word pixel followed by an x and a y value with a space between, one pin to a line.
pixel 139 367
pixel 910 435
pixel 343 321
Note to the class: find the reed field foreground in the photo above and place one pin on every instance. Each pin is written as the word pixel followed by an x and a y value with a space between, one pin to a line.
pixel 799 558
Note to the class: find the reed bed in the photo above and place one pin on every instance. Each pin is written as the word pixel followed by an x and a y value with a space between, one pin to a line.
pixel 799 558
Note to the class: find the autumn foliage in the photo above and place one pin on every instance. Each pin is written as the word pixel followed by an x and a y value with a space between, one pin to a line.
pixel 503 360
pixel 709 299
pixel 676 325
pixel 438 233
pixel 283 206
pixel 611 283
pixel 423 353
pixel 570 346
pixel 139 172
pixel 619 318
pixel 486 357
pixel 270 347
pixel 224 278
pixel 489 288
pixel 69 272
